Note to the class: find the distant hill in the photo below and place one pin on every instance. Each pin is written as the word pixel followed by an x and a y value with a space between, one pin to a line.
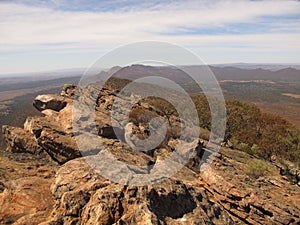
pixel 270 66
pixel 232 73
pixel 222 73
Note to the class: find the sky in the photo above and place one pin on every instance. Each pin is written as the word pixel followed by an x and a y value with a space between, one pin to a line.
pixel 43 35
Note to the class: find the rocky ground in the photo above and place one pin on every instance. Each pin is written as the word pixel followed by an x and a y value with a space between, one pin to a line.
pixel 44 179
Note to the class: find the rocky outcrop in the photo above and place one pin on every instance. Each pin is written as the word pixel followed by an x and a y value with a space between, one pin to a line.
pixel 96 200
pixel 270 199
pixel 224 192
pixel 49 135
pixel 53 102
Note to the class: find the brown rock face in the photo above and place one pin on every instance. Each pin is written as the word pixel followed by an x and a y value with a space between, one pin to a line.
pixel 53 102
pixel 60 147
pixel 25 197
pixel 96 200
pixel 19 140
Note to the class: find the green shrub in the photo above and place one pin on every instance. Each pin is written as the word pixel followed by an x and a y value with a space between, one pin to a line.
pixel 254 149
pixel 243 146
pixel 256 168
pixel 252 131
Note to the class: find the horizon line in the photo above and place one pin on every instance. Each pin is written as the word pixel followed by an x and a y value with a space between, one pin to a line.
pixel 82 69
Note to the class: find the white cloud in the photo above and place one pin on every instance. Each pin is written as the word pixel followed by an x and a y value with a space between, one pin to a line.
pixel 32 28
pixel 31 25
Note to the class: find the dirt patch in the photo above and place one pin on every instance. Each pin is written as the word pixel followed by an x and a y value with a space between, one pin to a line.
pixel 248 81
pixel 291 95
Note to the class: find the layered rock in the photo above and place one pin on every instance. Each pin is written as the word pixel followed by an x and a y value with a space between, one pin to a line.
pixel 20 140
pixel 96 200
pixel 222 194
pixel 270 199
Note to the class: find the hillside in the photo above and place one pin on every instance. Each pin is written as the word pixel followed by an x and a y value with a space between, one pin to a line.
pixel 271 90
pixel 233 188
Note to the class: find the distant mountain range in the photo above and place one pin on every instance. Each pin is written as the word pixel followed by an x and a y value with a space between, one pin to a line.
pixel 271 66
pixel 222 73
pixel 234 73
pixel 80 71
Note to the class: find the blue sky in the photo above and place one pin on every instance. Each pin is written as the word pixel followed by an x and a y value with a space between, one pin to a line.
pixel 41 35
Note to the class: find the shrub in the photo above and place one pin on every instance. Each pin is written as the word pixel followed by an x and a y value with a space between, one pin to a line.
pixel 163 108
pixel 259 133
pixel 256 168
pixel 254 149
pixel 204 134
pixel 242 122
pixel 140 115
pixel 203 110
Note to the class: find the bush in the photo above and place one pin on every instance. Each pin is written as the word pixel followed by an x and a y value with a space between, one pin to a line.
pixel 254 149
pixel 204 134
pixel 256 168
pixel 203 110
pixel 140 115
pixel 163 108
pixel 261 134
pixel 242 122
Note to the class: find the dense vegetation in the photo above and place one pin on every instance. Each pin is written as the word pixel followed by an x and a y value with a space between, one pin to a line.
pixel 260 92
pixel 257 133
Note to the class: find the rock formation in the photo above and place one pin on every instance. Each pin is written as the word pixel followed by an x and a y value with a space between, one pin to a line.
pixel 45 180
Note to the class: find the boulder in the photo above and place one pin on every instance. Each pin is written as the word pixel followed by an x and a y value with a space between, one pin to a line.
pixel 53 102
pixel 61 147
pixel 20 141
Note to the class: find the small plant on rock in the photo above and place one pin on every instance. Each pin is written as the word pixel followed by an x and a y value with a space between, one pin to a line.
pixel 256 168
